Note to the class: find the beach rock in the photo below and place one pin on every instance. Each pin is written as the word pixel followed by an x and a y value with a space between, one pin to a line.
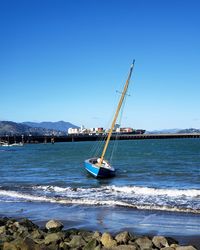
pixel 10 246
pixel 125 247
pixel 122 237
pixel 167 248
pixel 64 246
pixel 9 222
pixel 71 232
pixel 144 243
pixel 174 246
pixel 41 247
pixel 6 238
pixel 12 228
pixel 28 224
pixel 25 235
pixel 39 241
pixel 160 241
pixel 27 244
pixel 132 237
pixel 97 235
pixel 86 235
pixel 20 244
pixel 108 241
pixel 171 240
pixel 53 246
pixel 37 234
pixel 91 245
pixel 132 243
pixel 21 232
pixel 186 248
pixel 3 221
pixel 98 247
pixel 77 241
pixel 53 237
pixel 68 234
pixel 2 230
pixel 17 227
pixel 54 225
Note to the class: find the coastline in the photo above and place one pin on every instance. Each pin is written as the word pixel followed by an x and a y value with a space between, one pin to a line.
pixel 32 139
pixel 23 233
pixel 41 182
pixel 180 226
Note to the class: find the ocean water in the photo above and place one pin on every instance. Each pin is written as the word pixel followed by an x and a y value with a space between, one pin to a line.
pixel 155 179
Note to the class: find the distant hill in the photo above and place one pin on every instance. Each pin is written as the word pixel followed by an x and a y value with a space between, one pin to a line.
pixel 189 131
pixel 13 128
pixel 164 131
pixel 26 128
pixel 174 131
pixel 8 127
pixel 59 126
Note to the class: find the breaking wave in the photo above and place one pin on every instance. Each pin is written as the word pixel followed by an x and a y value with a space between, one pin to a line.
pixel 174 200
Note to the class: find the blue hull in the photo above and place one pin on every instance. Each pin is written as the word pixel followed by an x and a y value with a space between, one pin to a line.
pixel 99 172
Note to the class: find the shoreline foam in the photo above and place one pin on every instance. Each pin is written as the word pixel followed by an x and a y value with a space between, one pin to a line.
pixel 135 197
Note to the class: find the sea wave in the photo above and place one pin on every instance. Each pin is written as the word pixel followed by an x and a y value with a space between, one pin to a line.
pixel 174 200
pixel 32 198
pixel 127 190
pixel 156 191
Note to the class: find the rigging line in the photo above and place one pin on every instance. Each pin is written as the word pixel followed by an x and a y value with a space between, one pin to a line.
pixel 116 141
pixel 117 112
pixel 97 149
pixel 97 145
pixel 121 93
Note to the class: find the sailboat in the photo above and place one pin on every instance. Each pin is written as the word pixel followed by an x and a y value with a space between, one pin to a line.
pixel 98 167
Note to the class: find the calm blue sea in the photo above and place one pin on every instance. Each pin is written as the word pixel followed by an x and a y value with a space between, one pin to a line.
pixel 155 180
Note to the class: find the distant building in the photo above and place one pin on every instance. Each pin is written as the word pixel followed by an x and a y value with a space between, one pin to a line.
pixel 100 130
pixel 73 130
pixel 124 130
pixel 117 126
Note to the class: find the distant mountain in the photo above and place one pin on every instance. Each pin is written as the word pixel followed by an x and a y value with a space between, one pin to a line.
pixel 174 131
pixel 13 128
pixel 189 131
pixel 59 126
pixel 164 131
pixel 8 128
pixel 26 128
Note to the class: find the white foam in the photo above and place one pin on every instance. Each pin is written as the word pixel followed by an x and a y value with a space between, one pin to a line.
pixel 157 192
pixel 147 191
pixel 18 195
pixel 96 202
pixel 52 188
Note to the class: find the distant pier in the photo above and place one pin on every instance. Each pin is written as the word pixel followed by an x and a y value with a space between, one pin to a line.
pixel 77 138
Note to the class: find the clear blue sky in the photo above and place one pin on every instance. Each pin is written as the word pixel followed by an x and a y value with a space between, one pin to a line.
pixel 65 59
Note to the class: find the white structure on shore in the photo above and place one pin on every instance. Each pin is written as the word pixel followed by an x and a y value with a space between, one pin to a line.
pixel 91 131
pixel 83 130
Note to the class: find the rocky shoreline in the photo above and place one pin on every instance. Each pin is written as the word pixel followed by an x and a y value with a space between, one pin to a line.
pixel 25 235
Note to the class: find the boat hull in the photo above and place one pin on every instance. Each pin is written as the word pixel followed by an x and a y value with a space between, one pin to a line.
pixel 98 172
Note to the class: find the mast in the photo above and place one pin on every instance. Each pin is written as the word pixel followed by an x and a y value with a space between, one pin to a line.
pixel 117 112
